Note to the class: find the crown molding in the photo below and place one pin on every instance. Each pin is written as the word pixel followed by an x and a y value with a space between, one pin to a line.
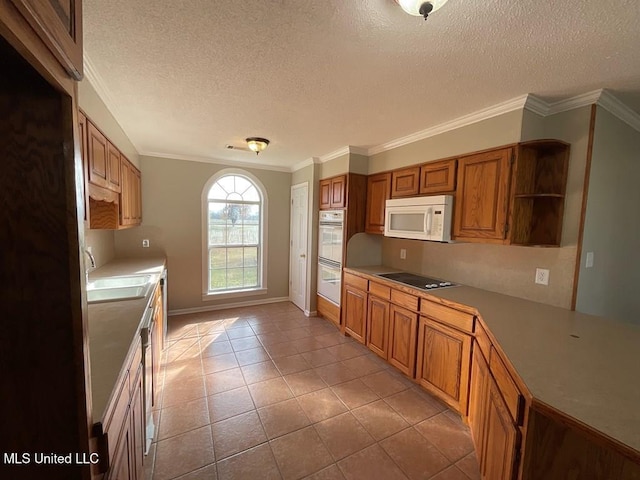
pixel 494 111
pixel 536 105
pixel 619 109
pixel 572 103
pixel 216 161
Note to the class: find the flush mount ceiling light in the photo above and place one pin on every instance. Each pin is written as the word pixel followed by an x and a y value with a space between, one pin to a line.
pixel 257 144
pixel 420 8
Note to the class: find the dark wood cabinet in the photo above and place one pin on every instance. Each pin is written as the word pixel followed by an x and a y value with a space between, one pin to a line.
pixel 378 326
pixel 403 336
pixel 82 131
pixel 333 192
pixel 405 182
pixel 378 192
pixel 513 195
pixel 58 23
pixel 438 177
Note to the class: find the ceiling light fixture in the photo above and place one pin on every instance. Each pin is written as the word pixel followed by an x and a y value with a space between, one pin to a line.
pixel 420 8
pixel 257 144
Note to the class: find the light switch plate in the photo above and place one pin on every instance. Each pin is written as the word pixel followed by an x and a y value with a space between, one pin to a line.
pixel 403 254
pixel 589 260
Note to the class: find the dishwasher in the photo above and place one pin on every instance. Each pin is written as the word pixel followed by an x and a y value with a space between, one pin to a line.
pixel 146 333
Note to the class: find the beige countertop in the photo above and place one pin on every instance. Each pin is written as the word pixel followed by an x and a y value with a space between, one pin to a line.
pixel 113 326
pixel 584 366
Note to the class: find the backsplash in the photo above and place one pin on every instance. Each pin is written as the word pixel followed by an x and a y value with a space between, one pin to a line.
pixel 102 245
pixel 498 268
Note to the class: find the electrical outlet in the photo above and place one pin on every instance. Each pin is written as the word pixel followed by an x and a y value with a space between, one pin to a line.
pixel 542 276
pixel 403 254
pixel 145 243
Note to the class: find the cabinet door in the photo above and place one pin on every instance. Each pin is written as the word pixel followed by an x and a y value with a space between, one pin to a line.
pixel 58 23
pixel 113 168
pixel 478 393
pixel 378 192
pixel 444 358
pixel 482 195
pixel 355 313
pixel 438 177
pixel 405 182
pixel 378 326
pixel 156 345
pixel 126 202
pixel 403 334
pixel 502 439
pixel 338 191
pixel 137 188
pixel 325 194
pixel 98 157
pixel 122 467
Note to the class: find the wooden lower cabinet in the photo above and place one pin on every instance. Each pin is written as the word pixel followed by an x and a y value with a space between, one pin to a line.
pixel 496 437
pixel 138 425
pixel 444 362
pixel 123 467
pixel 354 313
pixel 378 326
pixel 403 336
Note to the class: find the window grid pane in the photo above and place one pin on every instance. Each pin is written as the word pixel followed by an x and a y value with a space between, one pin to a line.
pixel 234 228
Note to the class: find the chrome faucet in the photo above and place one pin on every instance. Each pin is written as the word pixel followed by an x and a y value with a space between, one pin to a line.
pixel 92 262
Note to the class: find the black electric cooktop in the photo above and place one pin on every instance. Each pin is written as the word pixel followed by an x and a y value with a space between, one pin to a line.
pixel 417 281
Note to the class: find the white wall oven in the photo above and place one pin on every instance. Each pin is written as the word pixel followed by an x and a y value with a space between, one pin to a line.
pixel 330 246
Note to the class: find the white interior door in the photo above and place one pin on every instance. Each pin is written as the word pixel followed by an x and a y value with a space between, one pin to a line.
pixel 298 246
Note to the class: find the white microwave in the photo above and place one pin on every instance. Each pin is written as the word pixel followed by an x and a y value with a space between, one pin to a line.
pixel 419 218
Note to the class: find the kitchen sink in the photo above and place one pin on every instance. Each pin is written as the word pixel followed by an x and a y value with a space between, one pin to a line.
pixel 117 282
pixel 113 294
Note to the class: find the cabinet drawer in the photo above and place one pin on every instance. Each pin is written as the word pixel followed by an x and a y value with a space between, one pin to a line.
pixel 482 340
pixel 404 300
pixel 355 281
pixel 379 291
pixel 507 387
pixel 449 316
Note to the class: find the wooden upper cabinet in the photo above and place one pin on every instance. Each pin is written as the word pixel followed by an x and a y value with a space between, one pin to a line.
pixel 113 170
pixel 58 23
pixel 405 182
pixel 333 192
pixel 325 194
pixel 338 191
pixel 130 195
pixel 482 196
pixel 97 149
pixel 378 192
pixel 438 177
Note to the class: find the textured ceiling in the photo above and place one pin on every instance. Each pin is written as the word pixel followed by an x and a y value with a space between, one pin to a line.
pixel 186 77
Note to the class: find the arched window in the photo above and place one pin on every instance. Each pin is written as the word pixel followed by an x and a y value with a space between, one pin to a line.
pixel 234 209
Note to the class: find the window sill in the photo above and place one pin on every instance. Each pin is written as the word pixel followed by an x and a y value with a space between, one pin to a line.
pixel 210 297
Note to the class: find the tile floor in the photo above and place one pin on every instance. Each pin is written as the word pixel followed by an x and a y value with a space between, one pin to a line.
pixel 266 393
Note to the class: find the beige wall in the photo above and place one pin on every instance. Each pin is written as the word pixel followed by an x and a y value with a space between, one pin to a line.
pixel 505 269
pixel 172 221
pixel 102 243
pixel 91 103
pixel 499 130
pixel 337 166
pixel 612 223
